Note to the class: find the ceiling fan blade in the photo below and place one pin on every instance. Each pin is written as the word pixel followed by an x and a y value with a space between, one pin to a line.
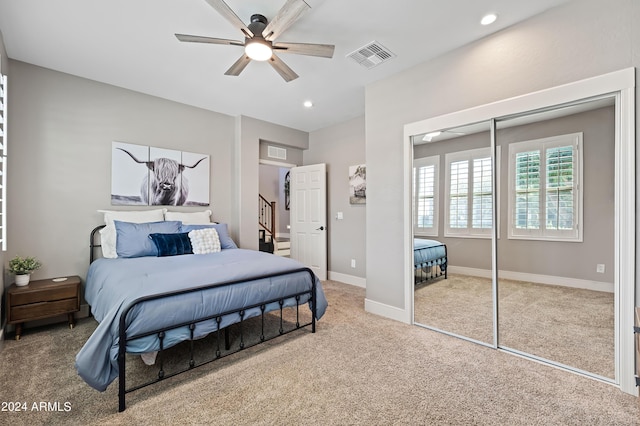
pixel 238 66
pixel 309 49
pixel 200 39
pixel 283 69
pixel 230 16
pixel 287 15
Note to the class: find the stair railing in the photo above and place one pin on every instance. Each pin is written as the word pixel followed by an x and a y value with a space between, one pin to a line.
pixel 267 215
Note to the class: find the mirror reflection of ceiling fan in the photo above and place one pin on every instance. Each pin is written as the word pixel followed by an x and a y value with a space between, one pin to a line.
pixel 260 38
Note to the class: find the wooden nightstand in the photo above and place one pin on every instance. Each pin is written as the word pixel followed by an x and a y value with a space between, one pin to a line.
pixel 43 299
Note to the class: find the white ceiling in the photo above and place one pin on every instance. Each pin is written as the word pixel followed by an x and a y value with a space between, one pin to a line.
pixel 131 44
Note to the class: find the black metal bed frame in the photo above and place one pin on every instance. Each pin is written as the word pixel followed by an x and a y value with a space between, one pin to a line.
pixel 430 269
pixel 217 318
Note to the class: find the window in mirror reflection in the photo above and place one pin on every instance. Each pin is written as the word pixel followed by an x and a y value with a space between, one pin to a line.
pixel 425 195
pixel 545 201
pixel 469 201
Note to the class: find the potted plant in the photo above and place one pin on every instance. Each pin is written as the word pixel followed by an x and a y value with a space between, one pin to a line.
pixel 23 267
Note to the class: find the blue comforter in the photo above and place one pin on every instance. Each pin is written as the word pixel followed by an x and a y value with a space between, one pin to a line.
pixel 112 284
pixel 425 252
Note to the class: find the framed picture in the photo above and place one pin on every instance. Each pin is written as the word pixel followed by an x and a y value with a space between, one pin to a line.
pixel 144 175
pixel 358 184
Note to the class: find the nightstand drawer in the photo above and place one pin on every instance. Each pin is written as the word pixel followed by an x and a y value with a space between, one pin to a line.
pixel 35 311
pixel 45 295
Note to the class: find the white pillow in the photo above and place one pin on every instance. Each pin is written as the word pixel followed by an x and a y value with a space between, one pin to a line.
pixel 204 241
pixel 190 218
pixel 108 233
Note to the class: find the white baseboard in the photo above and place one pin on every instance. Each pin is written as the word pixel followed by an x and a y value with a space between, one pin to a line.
pixel 348 279
pixel 535 278
pixel 387 311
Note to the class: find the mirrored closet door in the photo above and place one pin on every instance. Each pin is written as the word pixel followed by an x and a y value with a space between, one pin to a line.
pixel 453 217
pixel 553 297
pixel 555 254
pixel 540 248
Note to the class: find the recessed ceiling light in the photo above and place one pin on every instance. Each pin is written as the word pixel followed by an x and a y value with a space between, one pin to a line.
pixel 489 19
pixel 307 104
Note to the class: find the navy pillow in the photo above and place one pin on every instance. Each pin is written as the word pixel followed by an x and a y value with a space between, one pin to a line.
pixel 172 244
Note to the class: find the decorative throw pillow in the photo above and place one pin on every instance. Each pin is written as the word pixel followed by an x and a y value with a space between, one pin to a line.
pixel 172 244
pixel 204 241
pixel 133 238
pixel 223 233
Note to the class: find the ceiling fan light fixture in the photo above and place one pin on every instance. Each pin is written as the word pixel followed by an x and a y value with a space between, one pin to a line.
pixel 258 49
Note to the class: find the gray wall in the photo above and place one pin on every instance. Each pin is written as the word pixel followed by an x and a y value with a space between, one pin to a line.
pixel 294 155
pixel 249 132
pixel 575 41
pixel 4 59
pixel 60 168
pixel 339 147
pixel 578 259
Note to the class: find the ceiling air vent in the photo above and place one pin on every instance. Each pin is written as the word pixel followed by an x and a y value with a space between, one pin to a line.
pixel 275 152
pixel 371 55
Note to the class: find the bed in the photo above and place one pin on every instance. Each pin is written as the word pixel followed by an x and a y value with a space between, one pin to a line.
pixel 429 259
pixel 145 305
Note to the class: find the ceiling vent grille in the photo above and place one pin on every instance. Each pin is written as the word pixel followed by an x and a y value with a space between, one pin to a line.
pixel 371 55
pixel 275 152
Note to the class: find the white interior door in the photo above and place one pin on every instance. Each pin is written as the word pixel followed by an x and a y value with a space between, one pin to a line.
pixel 309 217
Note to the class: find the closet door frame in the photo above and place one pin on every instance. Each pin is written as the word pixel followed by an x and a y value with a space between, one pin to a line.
pixel 622 85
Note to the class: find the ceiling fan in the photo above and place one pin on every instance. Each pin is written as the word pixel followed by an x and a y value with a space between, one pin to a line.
pixel 260 35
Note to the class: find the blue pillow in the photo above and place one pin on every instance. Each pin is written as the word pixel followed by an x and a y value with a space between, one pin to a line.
pixel 223 233
pixel 132 239
pixel 172 244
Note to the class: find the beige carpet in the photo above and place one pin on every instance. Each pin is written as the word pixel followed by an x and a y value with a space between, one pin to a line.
pixel 574 327
pixel 357 369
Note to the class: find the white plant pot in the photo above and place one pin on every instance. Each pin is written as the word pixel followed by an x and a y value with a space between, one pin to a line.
pixel 22 280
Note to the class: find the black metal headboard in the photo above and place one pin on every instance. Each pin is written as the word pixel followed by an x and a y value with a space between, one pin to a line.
pixel 93 245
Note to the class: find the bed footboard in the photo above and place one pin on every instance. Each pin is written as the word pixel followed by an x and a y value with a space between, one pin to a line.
pixel 266 306
pixel 426 268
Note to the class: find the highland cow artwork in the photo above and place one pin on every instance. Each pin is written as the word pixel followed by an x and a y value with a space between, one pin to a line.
pixel 144 175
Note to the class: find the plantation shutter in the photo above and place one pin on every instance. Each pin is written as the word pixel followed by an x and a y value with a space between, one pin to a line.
pixel 3 161
pixel 560 201
pixel 482 209
pixel 458 194
pixel 527 188
pixel 425 183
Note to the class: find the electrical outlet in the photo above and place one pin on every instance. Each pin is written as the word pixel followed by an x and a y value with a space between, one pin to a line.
pixel 353 263
pixel 600 268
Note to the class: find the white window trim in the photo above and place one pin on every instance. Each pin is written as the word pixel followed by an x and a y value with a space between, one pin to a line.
pixel 575 235
pixel 422 162
pixel 471 154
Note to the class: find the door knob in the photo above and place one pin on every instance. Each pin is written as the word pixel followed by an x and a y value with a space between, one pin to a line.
pixel 320 229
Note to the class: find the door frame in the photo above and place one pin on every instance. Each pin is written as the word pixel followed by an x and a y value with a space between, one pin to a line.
pixel 621 83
